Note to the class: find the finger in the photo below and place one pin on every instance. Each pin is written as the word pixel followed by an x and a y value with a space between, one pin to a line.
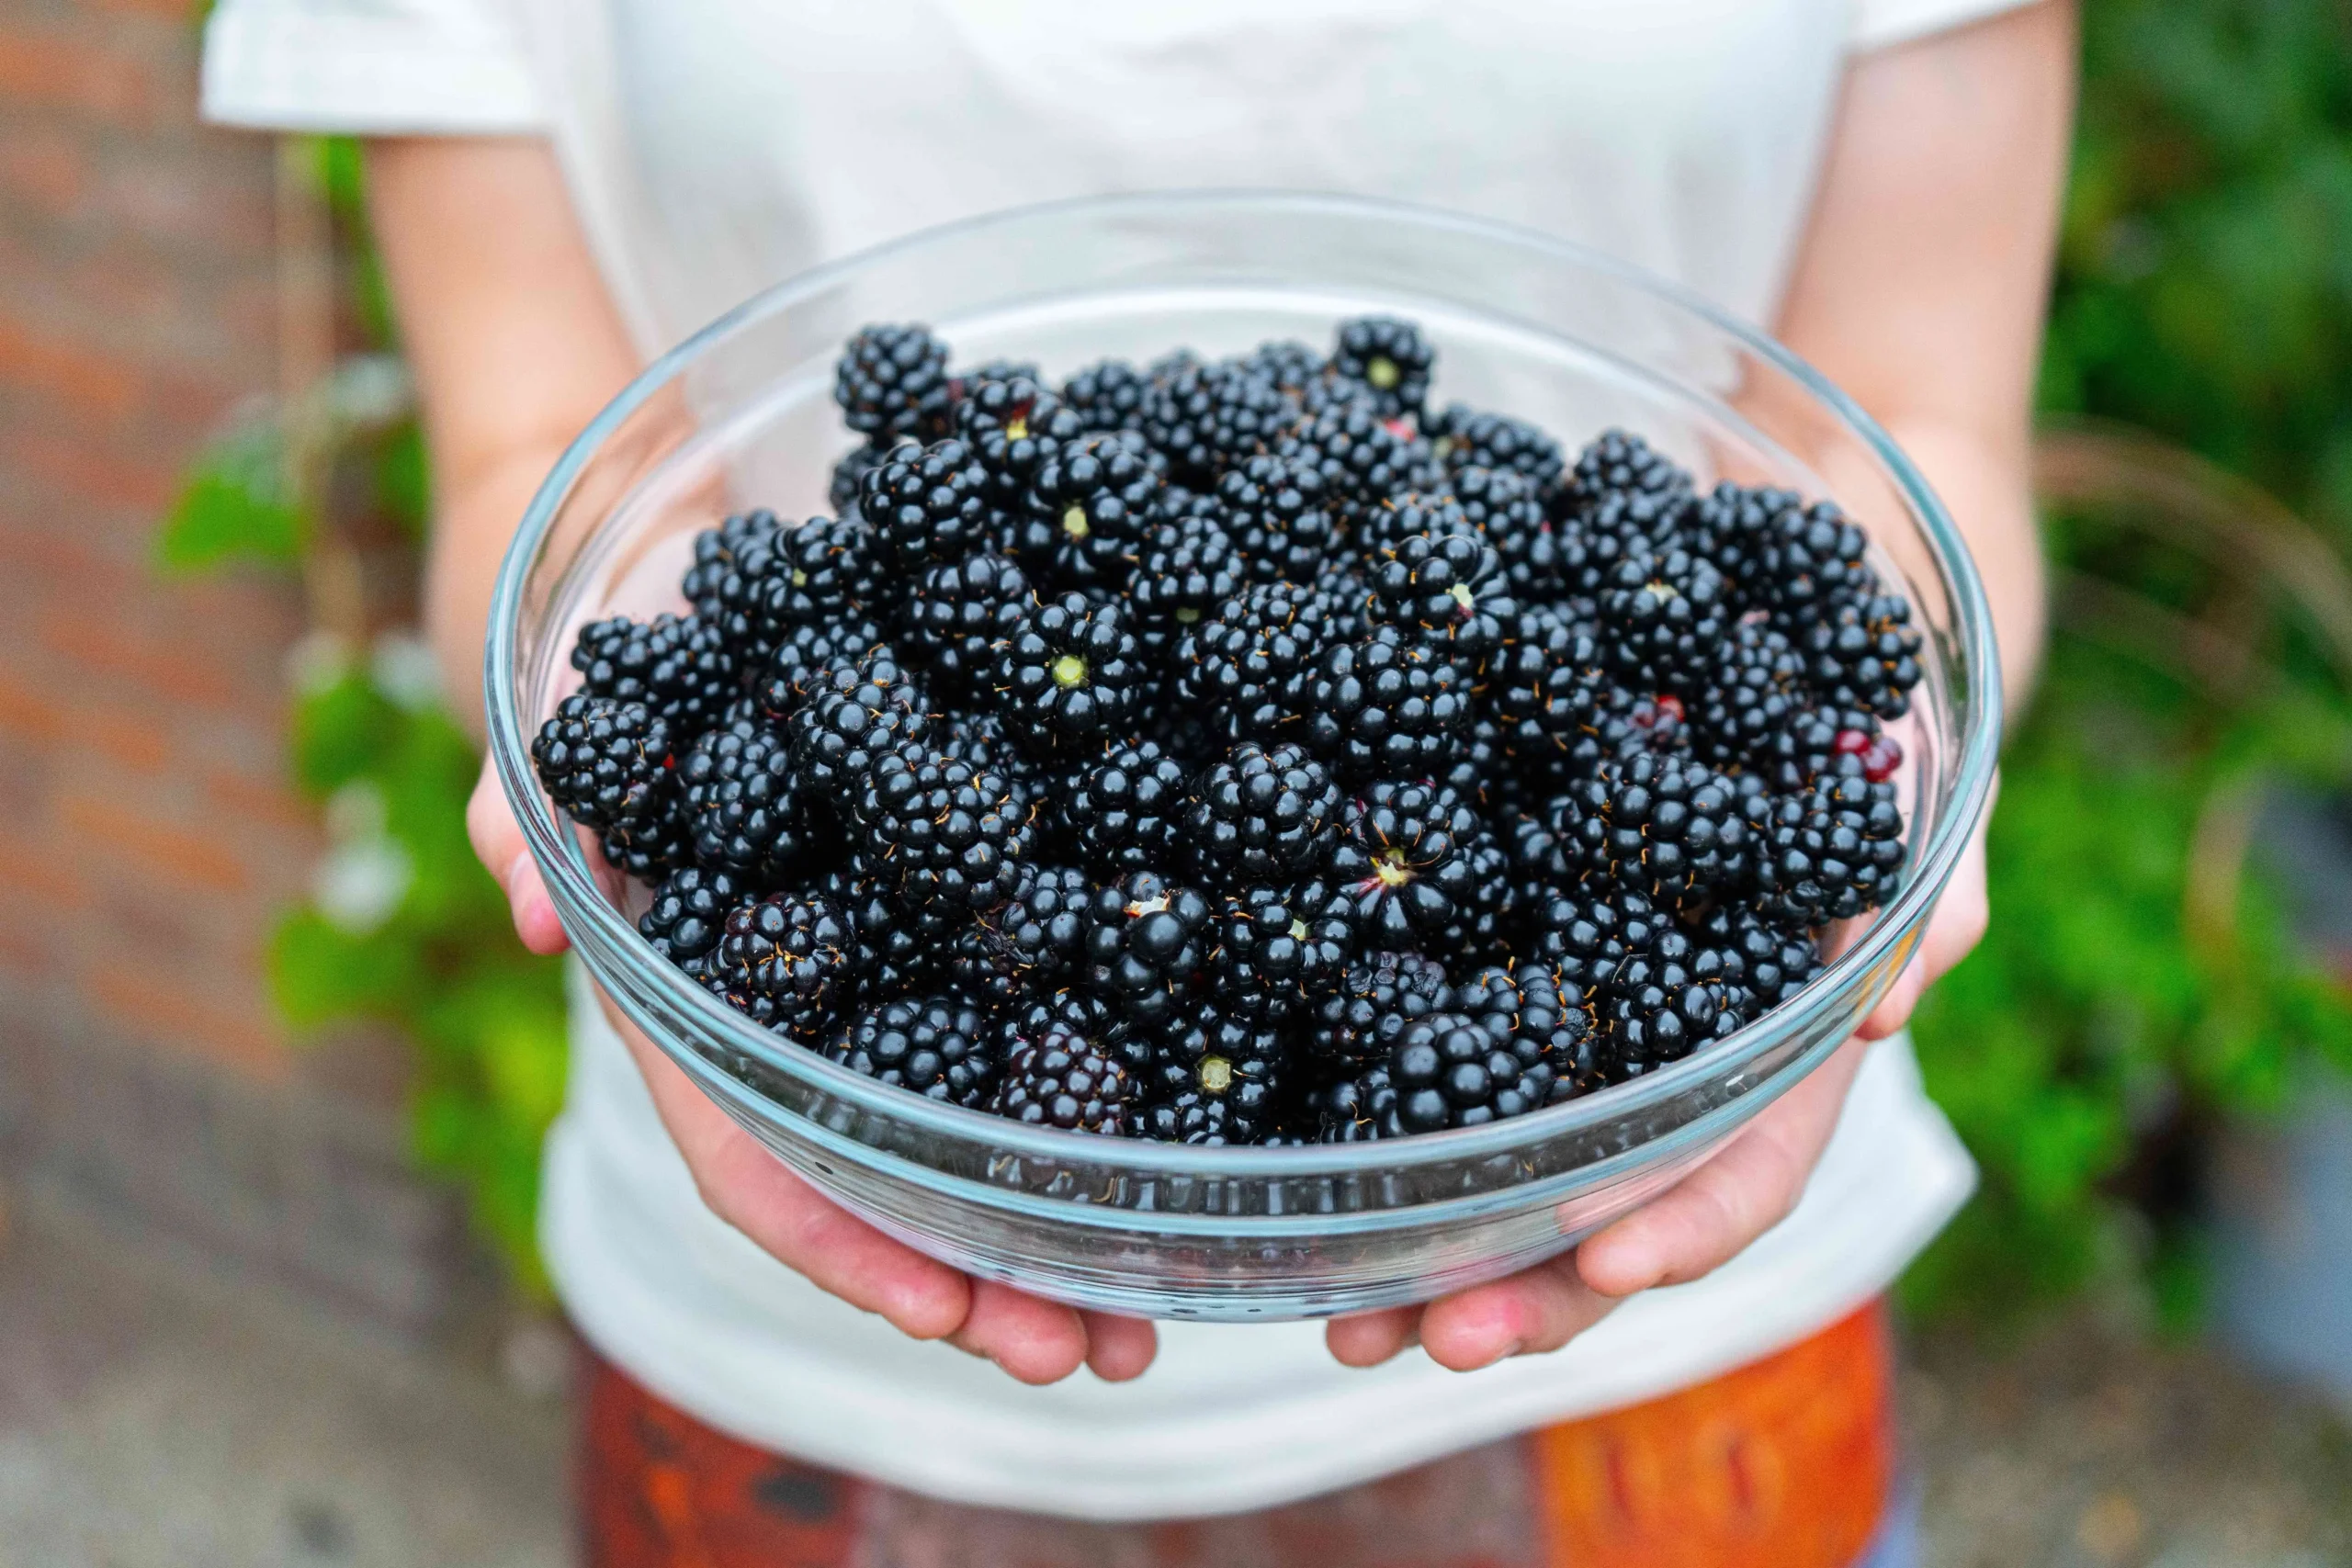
pixel 1541 1309
pixel 498 841
pixel 1034 1340
pixel 1368 1338
pixel 783 1216
pixel 1119 1350
pixel 1704 1221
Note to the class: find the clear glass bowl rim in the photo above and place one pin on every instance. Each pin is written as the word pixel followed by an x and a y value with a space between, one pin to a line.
pixel 559 855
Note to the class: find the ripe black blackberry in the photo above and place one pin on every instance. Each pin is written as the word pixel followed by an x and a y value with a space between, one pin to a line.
pixel 1124 810
pixel 1773 958
pixel 1664 618
pixel 677 665
pixel 958 613
pixel 1674 826
pixel 1659 1012
pixel 1579 932
pixel 1864 655
pixel 1288 364
pixel 1378 706
pixel 1146 944
pixel 1414 514
pixel 1057 1078
pixel 850 472
pixel 805 656
pixel 1364 461
pixel 1207 418
pixel 1041 931
pixel 950 836
pixel 1001 368
pixel 1068 675
pixel 851 716
pixel 1464 438
pixel 1012 426
pixel 892 380
pixel 1211 1078
pixel 1390 357
pixel 927 506
pixel 608 764
pixel 688 915
pixel 1557 1025
pixel 1088 509
pixel 1356 1023
pixel 1445 1070
pixel 1630 723
pixel 1545 690
pixel 1278 515
pixel 731 583
pixel 1405 864
pixel 1750 693
pixel 1506 509
pixel 788 962
pixel 1653 494
pixel 1247 663
pixel 746 808
pixel 1447 595
pixel 831 570
pixel 941 1046
pixel 1278 950
pixel 1186 565
pixel 898 953
pixel 652 847
pixel 1108 395
pixel 1264 815
pixel 1829 852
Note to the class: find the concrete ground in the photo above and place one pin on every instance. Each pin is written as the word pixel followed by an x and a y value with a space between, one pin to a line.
pixel 153 1417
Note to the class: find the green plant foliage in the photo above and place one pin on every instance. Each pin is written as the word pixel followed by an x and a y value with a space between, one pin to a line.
pixel 234 507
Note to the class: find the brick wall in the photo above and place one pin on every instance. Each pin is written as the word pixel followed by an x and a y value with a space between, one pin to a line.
pixel 147 834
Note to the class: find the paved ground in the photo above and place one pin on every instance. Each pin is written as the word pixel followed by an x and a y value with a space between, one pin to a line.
pixel 154 1418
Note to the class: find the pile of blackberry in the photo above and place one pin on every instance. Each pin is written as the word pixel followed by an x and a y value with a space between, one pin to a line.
pixel 1246 751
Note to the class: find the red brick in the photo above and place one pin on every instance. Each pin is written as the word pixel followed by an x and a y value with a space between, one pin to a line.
pixel 42 169
pixel 39 68
pixel 193 858
pixel 27 713
pixel 247 1040
pixel 111 650
pixel 72 470
pixel 166 10
pixel 271 804
pixel 33 870
pixel 96 385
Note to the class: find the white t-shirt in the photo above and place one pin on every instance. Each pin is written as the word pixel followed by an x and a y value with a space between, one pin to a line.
pixel 716 146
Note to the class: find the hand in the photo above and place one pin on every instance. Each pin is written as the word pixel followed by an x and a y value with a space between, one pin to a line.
pixel 1697 1225
pixel 1037 1341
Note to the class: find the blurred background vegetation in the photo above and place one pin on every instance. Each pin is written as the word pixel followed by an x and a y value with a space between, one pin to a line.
pixel 2143 987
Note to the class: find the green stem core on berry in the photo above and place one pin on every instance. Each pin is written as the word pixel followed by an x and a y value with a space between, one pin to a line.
pixel 1390 867
pixel 799 578
pixel 1074 523
pixel 1069 669
pixel 1382 372
pixel 1151 905
pixel 1017 428
pixel 1463 597
pixel 1216 1074
pixel 1187 616
pixel 1299 931
pixel 1658 590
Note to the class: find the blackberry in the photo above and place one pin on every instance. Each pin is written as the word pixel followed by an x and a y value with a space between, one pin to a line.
pixel 830 570
pixel 1829 852
pixel 849 473
pixel 1405 864
pixel 652 847
pixel 853 716
pixel 1288 364
pixel 1355 1025
pixel 1278 950
pixel 746 809
pixel 1205 418
pixel 1390 357
pixel 1146 944
pixel 788 962
pixel 958 613
pixel 1444 1070
pixel 805 656
pixel 678 666
pixel 892 380
pixel 1412 515
pixel 1041 933
pixel 1864 655
pixel 1505 509
pixel 1663 615
pixel 1280 521
pixel 1377 706
pixel 1108 395
pixel 1630 723
pixel 1545 690
pixel 1653 494
pixel 1088 509
pixel 1582 935
pixel 731 583
pixel 608 764
pixel 1245 664
pixel 897 952
pixel 1264 815
pixel 1127 810
pixel 948 834
pixel 928 506
pixel 1750 693
pixel 1211 1078
pixel 1768 961
pixel 1659 1012
pixel 942 1047
pixel 688 915
pixel 1446 594
pixel 1661 823
pixel 1069 673
pixel 1556 1025
pixel 1363 461
pixel 1464 438
pixel 1186 565
pixel 1001 368
pixel 1056 1078
pixel 1483 773
pixel 1012 426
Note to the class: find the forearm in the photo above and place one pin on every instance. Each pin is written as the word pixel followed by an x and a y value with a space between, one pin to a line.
pixel 471 526
pixel 1984 481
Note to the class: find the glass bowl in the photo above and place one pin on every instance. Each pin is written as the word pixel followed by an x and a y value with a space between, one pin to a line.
pixel 740 414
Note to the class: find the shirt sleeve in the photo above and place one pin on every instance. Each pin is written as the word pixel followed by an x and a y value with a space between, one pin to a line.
pixel 1878 23
pixel 368 67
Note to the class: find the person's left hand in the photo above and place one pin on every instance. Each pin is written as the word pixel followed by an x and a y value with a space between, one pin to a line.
pixel 1695 1226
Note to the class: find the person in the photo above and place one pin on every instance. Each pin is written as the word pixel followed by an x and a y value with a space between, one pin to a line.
pixel 559 191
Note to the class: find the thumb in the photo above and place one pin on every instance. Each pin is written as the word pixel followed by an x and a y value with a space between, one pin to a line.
pixel 498 840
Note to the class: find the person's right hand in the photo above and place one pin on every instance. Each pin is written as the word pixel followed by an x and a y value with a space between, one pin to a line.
pixel 1035 1340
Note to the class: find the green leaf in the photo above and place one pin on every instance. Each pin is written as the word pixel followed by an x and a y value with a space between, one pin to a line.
pixel 234 507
